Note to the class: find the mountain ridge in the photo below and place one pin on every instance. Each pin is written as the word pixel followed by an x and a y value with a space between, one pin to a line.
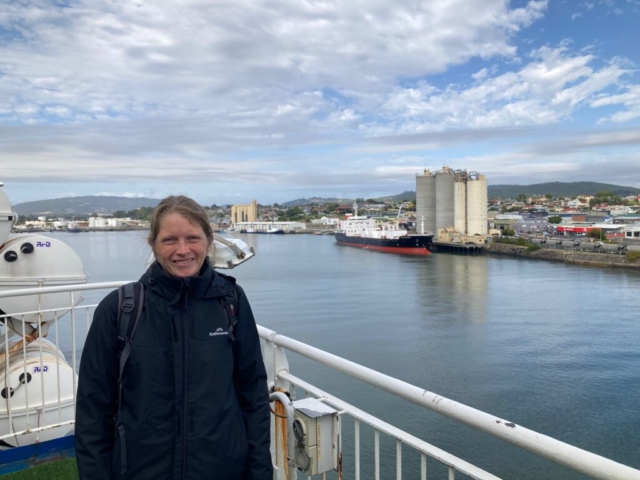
pixel 84 205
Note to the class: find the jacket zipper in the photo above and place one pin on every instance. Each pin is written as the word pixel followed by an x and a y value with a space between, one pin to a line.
pixel 185 397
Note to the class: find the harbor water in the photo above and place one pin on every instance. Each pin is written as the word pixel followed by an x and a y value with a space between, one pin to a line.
pixel 551 347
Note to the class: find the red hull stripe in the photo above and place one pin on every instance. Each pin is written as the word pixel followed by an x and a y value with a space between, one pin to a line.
pixel 403 250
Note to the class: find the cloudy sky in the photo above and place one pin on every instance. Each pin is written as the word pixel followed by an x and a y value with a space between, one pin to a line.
pixel 231 100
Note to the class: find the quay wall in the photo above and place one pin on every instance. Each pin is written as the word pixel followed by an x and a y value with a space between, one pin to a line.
pixel 565 256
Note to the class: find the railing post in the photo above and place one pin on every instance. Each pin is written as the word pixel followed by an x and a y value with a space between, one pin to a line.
pixel 275 361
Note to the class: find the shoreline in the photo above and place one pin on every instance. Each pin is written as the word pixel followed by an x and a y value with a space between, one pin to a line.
pixel 570 257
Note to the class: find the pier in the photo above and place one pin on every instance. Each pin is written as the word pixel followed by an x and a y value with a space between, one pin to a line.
pixel 452 247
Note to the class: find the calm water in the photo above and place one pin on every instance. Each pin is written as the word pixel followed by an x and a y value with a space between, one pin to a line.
pixel 551 347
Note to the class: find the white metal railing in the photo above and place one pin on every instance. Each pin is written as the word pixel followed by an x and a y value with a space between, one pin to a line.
pixel 559 452
pixel 275 347
pixel 31 420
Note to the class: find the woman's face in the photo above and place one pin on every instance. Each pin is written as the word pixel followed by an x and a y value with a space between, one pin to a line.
pixel 180 246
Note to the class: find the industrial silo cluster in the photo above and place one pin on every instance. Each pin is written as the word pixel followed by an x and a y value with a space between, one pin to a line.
pixel 451 198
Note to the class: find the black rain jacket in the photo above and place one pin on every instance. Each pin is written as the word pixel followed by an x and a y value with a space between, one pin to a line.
pixel 195 404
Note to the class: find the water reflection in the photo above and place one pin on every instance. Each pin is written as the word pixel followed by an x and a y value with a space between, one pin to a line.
pixel 453 289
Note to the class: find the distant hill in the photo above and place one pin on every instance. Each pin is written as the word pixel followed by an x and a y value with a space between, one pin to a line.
pixel 306 201
pixel 406 196
pixel 410 196
pixel 563 189
pixel 86 205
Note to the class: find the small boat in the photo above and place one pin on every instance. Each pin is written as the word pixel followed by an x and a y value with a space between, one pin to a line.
pixel 73 228
pixel 272 230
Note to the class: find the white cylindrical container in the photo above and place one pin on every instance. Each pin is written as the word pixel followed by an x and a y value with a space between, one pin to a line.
pixel 28 261
pixel 426 203
pixel 444 198
pixel 7 216
pixel 460 203
pixel 37 390
pixel 477 205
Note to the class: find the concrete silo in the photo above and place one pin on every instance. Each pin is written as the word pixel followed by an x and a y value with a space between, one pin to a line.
pixel 476 204
pixel 445 182
pixel 426 202
pixel 460 202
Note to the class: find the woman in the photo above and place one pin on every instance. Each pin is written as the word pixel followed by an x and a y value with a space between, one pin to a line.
pixel 194 400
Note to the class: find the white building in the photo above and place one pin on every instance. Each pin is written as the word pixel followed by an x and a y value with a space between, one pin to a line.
pixel 632 232
pixel 620 210
pixel 326 221
pixel 267 226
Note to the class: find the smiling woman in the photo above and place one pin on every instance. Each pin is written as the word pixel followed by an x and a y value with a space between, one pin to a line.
pixel 194 383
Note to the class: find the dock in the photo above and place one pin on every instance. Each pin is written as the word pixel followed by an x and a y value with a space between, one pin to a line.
pixel 452 247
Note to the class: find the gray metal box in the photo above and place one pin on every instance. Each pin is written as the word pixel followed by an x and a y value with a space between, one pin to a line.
pixel 315 429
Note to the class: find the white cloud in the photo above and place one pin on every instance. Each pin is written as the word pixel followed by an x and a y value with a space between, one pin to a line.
pixel 546 90
pixel 119 60
pixel 630 100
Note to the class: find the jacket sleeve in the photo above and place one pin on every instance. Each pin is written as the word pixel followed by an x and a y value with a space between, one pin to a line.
pixel 97 394
pixel 251 379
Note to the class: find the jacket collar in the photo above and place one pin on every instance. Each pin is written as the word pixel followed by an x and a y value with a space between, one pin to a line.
pixel 208 283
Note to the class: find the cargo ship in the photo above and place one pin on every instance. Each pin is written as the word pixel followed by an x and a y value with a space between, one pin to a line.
pixel 364 232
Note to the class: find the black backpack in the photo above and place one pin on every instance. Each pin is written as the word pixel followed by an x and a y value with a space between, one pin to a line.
pixel 130 304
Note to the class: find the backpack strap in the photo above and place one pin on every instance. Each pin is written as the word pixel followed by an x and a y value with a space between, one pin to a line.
pixel 229 305
pixel 130 303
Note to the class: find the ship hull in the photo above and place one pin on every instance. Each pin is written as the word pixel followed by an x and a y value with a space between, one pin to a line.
pixel 409 245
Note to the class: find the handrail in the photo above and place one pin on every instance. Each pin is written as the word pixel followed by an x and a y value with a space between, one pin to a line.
pixel 542 445
pixel 72 287
pixel 434 452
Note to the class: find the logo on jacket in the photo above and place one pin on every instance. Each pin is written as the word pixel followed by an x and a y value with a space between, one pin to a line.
pixel 219 331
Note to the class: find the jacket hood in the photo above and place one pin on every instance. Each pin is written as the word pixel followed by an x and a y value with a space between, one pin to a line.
pixel 207 284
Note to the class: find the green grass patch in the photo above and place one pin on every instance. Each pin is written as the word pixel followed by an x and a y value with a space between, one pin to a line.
pixel 533 248
pixel 512 241
pixel 58 470
pixel 633 257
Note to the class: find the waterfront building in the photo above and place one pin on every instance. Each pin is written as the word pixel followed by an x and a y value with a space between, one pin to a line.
pixel 631 232
pixel 628 219
pixel 268 227
pixel 326 221
pixel 244 213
